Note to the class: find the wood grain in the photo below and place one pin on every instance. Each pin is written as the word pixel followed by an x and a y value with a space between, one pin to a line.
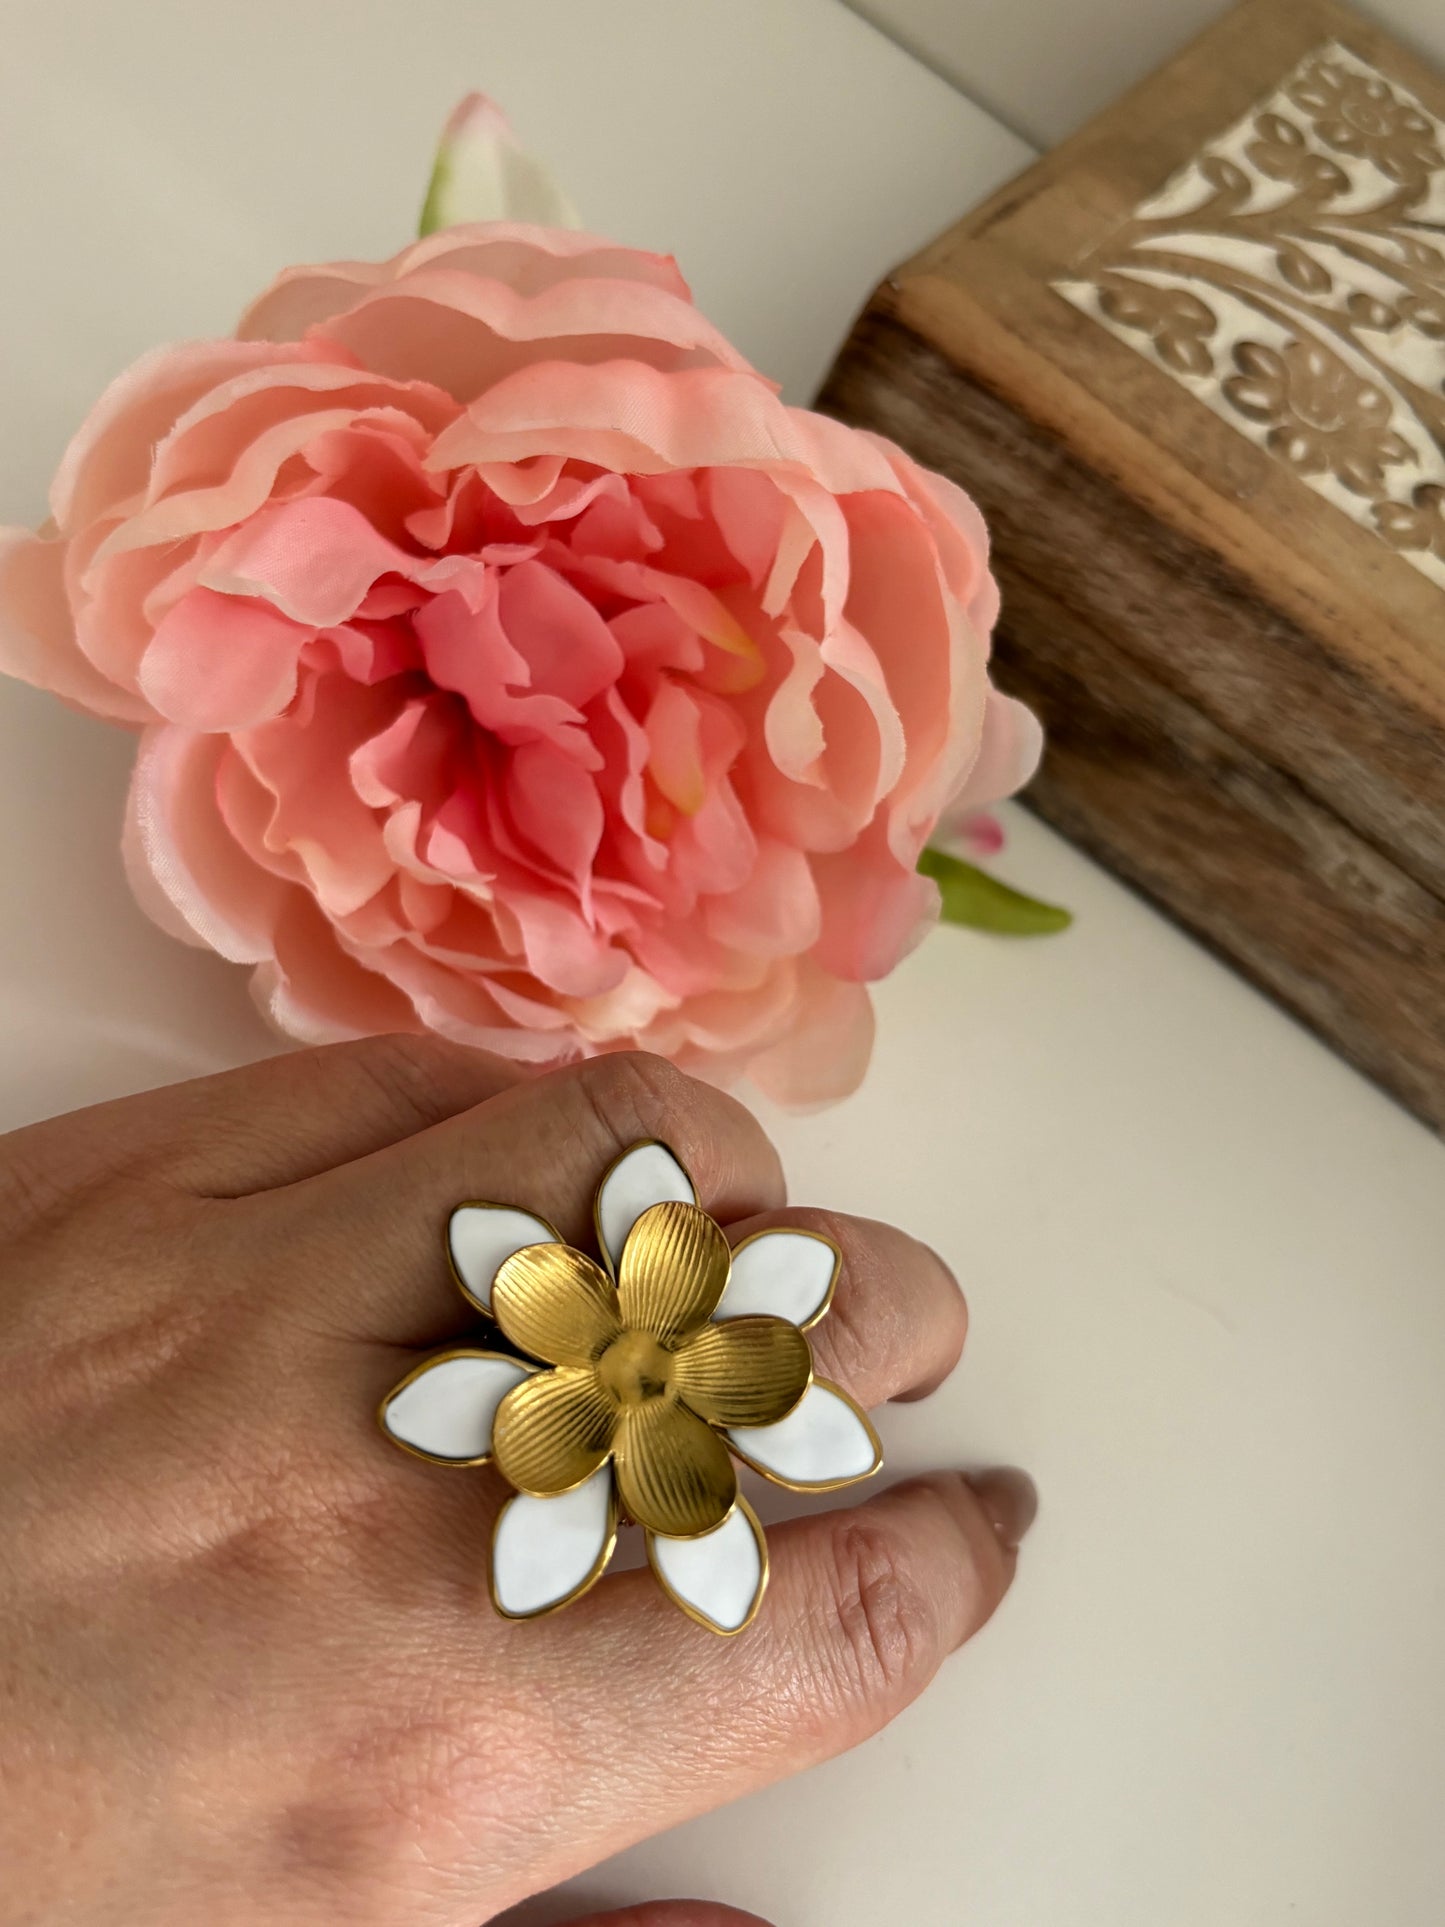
pixel 1244 690
pixel 1101 606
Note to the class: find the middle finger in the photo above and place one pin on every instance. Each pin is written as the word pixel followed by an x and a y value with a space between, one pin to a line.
pixel 897 1321
pixel 371 1234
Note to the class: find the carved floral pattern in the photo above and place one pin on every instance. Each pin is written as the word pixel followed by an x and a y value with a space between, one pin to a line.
pixel 1319 414
pixel 1292 276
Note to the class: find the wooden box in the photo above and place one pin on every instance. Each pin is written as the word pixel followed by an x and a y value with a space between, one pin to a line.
pixel 1192 368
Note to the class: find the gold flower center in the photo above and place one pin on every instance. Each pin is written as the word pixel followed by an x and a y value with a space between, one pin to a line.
pixel 635 1368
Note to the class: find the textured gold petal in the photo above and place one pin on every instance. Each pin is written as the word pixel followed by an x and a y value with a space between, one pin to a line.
pixel 674 1474
pixel 553 1431
pixel 555 1304
pixel 674 1270
pixel 747 1371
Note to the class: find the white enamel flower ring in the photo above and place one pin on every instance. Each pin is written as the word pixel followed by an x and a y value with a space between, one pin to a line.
pixel 632 1387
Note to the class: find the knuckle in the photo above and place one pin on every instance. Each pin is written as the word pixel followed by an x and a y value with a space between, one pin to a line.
pixel 420 1785
pixel 401 1070
pixel 887 1627
pixel 898 1310
pixel 633 1094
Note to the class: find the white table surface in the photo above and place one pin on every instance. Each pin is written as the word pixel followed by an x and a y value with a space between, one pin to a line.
pixel 1206 1261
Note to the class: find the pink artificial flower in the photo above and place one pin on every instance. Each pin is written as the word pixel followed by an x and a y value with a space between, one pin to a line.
pixel 511 662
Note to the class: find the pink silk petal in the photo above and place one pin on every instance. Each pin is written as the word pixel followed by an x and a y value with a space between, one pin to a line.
pixel 555 805
pixel 108 459
pixel 1008 755
pixel 776 913
pixel 824 1055
pixel 188 872
pixel 37 636
pixel 673 726
pixel 463 333
pixel 316 812
pixel 874 910
pixel 314 559
pixel 569 650
pixel 315 991
pixel 222 662
pixel 629 417
pixel 529 259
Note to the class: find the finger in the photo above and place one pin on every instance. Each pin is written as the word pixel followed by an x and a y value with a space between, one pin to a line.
pixel 672 1913
pixel 897 1321
pixel 371 1234
pixel 863 1607
pixel 268 1124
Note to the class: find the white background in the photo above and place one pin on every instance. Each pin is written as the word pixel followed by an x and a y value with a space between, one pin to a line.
pixel 1206 1261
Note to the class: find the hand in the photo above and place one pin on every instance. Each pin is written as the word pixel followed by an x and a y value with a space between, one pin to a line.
pixel 248 1666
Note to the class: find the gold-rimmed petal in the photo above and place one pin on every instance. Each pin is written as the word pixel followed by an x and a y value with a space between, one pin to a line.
pixel 825 1442
pixel 674 1270
pixel 674 1474
pixel 644 1174
pixel 556 1305
pixel 445 1407
pixel 553 1431
pixel 718 1579
pixel 548 1552
pixel 749 1371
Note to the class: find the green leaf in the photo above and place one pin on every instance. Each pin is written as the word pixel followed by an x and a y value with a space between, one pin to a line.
pixel 981 902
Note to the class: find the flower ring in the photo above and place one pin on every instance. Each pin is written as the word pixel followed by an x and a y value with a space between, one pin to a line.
pixel 636 1386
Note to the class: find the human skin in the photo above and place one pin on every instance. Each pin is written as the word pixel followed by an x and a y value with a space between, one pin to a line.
pixel 248 1667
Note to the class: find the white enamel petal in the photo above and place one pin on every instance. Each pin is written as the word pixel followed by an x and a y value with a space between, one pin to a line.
pixel 780 1274
pixel 822 1442
pixel 721 1575
pixel 544 1550
pixel 481 1238
pixel 646 1175
pixel 446 1409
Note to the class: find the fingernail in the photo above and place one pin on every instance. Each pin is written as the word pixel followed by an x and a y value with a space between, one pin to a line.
pixel 1009 1497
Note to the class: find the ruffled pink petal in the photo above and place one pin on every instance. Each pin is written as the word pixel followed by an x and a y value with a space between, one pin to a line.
pixel 220 662
pixel 749 513
pixel 188 872
pixel 777 912
pixel 304 763
pixel 673 726
pixel 450 328
pixel 314 559
pixel 554 804
pixel 874 910
pixel 109 457
pixel 201 447
pixel 739 1023
pixel 959 531
pixel 1009 752
pixel 569 650
pixel 626 416
pixel 527 259
pixel 37 634
pixel 315 991
pixel 824 1054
